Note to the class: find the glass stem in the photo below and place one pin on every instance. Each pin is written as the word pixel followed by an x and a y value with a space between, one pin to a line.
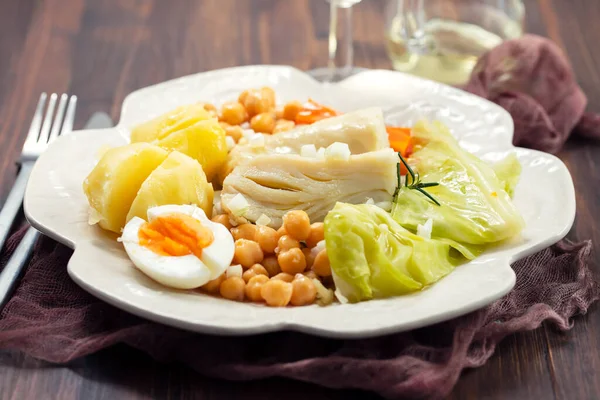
pixel 341 52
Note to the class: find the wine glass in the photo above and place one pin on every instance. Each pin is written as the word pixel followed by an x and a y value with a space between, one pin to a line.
pixel 340 44
pixel 443 39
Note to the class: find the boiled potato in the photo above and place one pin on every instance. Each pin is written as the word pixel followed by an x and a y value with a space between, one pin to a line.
pixel 191 130
pixel 178 180
pixel 204 141
pixel 172 121
pixel 113 184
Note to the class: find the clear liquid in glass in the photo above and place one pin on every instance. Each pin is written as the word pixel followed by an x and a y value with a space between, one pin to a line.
pixel 444 40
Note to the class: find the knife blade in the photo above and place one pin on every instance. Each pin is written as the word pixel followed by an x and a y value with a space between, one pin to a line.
pixel 99 120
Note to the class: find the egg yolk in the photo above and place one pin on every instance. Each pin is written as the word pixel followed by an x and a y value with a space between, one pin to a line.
pixel 175 235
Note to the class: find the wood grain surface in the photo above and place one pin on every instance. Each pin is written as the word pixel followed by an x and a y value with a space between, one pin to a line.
pixel 101 50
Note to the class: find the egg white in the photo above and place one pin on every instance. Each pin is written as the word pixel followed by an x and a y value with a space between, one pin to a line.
pixel 181 272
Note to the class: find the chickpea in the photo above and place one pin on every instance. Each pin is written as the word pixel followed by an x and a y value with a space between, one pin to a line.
pixel 291 110
pixel 268 93
pixel 280 232
pixel 273 113
pixel 247 253
pixel 309 257
pixel 263 123
pixel 243 96
pixel 233 113
pixel 317 233
pixel 214 285
pixel 233 288
pixel 255 103
pixel 244 231
pixel 236 132
pixel 304 291
pixel 267 238
pixel 209 107
pixel 292 261
pixel 222 219
pixel 297 224
pixel 211 110
pixel 254 286
pixel 286 243
pixel 283 125
pixel 283 276
pixel 276 293
pixel 271 265
pixel 321 265
pixel 255 270
pixel 279 113
pixel 248 274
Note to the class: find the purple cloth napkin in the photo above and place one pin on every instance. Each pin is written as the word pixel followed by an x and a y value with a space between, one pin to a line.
pixel 532 79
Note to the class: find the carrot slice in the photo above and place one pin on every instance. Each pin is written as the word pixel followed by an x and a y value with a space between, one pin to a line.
pixel 313 112
pixel 322 107
pixel 399 138
pixel 397 132
pixel 400 141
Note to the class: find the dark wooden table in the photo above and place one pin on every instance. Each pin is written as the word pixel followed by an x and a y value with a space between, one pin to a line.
pixel 102 50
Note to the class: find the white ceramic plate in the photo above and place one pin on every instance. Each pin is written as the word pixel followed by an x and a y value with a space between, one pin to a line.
pixel 55 204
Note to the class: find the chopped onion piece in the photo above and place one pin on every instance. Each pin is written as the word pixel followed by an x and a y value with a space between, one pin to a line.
pixel 385 205
pixel 245 125
pixel 94 216
pixel 308 150
pixel 230 142
pixel 370 201
pixel 217 209
pixel 425 230
pixel 320 245
pixel 258 140
pixel 317 249
pixel 238 205
pixel 234 270
pixel 263 220
pixel 217 203
pixel 338 151
pixel 248 133
pixel 324 295
pixel 321 154
pixel 341 298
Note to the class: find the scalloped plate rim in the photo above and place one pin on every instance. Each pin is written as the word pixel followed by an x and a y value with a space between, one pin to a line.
pixel 298 326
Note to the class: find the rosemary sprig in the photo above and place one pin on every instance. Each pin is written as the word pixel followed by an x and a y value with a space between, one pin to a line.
pixel 415 181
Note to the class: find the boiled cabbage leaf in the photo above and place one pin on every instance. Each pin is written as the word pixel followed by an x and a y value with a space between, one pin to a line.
pixel 508 171
pixel 372 256
pixel 475 205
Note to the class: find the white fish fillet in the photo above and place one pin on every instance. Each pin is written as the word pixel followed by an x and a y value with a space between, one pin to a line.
pixel 363 131
pixel 274 184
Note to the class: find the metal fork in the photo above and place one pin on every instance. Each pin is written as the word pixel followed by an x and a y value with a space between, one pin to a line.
pixel 44 129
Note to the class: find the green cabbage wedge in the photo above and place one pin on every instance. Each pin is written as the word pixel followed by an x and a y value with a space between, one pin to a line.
pixel 372 256
pixel 476 206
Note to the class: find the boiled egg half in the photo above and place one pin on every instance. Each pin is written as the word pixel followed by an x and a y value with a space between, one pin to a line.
pixel 178 246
